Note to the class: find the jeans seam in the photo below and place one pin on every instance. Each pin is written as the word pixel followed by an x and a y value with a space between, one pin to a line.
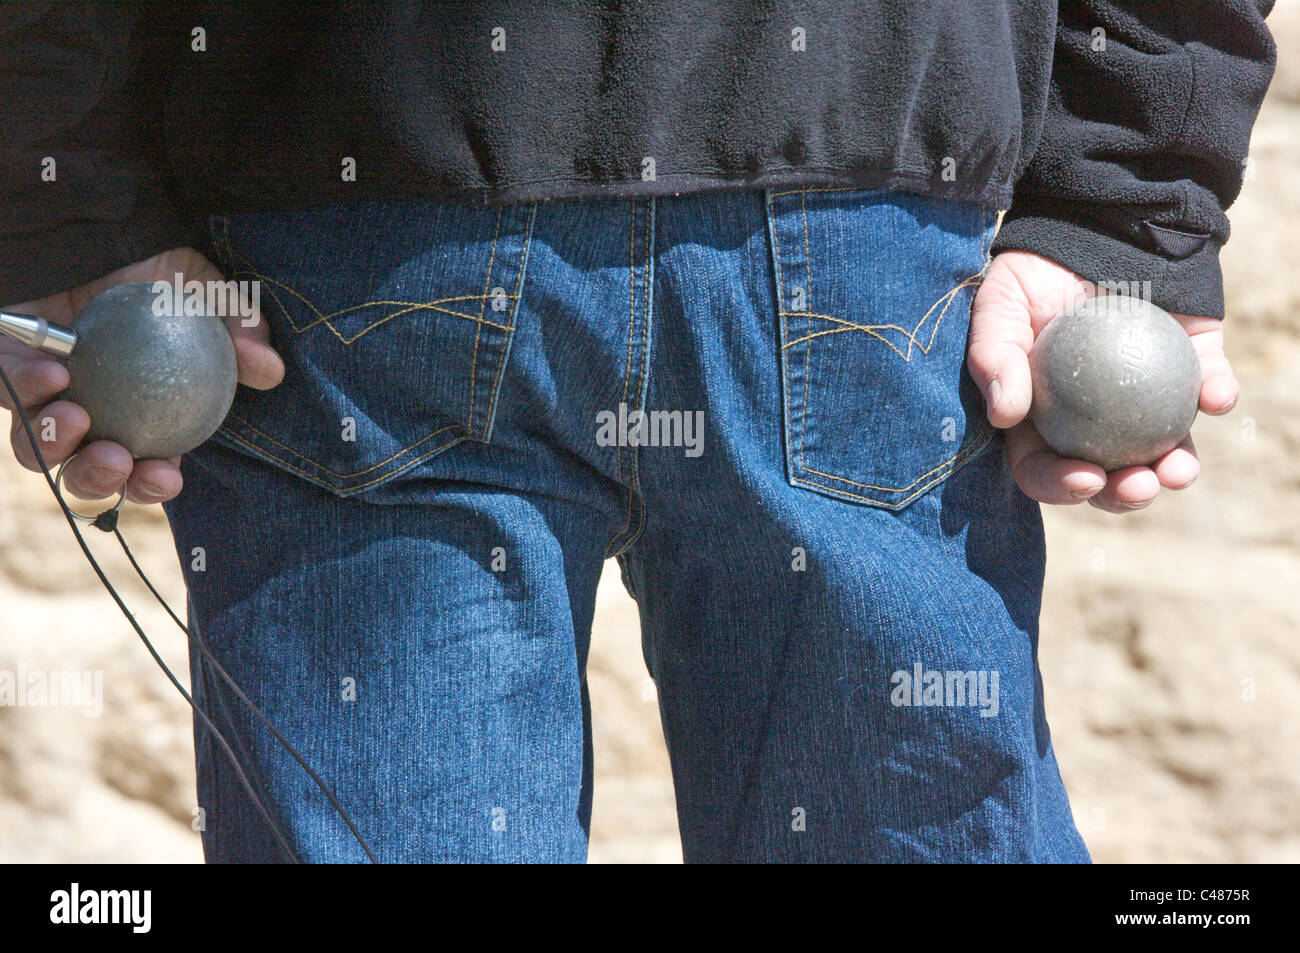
pixel 807 367
pixel 630 532
pixel 482 307
pixel 631 326
pixel 517 297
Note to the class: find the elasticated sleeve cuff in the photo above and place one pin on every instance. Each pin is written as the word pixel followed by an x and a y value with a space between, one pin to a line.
pixel 1185 279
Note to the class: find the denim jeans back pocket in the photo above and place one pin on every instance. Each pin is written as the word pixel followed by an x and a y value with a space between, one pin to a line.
pixel 394 320
pixel 874 291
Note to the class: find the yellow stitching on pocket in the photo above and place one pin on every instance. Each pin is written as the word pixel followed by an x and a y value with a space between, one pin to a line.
pixel 425 306
pixel 322 318
pixel 976 446
pixel 977 442
pixel 405 306
pixel 903 489
pixel 341 476
pixel 782 313
pixel 807 366
pixel 946 301
pixel 478 330
pixel 409 463
pixel 312 477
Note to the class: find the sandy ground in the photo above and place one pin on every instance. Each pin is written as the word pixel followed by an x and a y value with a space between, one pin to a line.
pixel 1170 646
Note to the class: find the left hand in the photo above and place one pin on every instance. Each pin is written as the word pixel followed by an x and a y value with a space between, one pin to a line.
pixel 1020 294
pixel 102 468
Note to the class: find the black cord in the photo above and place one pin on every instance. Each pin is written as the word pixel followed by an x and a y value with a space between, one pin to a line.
pixel 202 646
pixel 280 839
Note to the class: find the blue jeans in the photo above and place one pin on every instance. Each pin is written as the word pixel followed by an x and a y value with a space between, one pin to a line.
pixel 756 402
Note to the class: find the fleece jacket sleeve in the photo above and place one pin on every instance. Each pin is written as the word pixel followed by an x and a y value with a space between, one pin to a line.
pixel 83 186
pixel 1144 143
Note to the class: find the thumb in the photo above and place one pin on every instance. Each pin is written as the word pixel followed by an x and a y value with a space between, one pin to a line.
pixel 1001 335
pixel 260 367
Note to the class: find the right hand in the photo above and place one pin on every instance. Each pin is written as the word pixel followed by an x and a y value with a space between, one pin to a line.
pixel 1021 293
pixel 102 468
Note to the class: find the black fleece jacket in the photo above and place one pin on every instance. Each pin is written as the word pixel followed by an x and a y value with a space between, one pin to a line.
pixel 1115 131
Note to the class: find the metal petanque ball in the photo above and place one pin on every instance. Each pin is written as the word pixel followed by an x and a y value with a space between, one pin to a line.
pixel 159 385
pixel 1116 382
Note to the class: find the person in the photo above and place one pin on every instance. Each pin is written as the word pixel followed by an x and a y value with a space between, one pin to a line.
pixel 720 291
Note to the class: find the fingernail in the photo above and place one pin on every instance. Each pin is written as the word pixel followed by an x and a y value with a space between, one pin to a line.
pixel 1135 506
pixel 994 393
pixel 1087 492
pixel 148 489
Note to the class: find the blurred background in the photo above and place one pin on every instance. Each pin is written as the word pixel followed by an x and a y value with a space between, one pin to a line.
pixel 1170 640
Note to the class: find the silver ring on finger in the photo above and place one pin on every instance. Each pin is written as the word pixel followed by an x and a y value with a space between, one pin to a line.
pixel 58 490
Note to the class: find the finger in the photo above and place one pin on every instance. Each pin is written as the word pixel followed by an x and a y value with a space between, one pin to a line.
pixel 36 379
pixel 1179 468
pixel 260 367
pixel 1129 489
pixel 1046 476
pixel 1219 387
pixel 1219 393
pixel 58 427
pixel 101 469
pixel 154 481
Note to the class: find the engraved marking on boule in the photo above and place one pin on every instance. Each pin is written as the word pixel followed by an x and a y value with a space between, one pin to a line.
pixel 1116 382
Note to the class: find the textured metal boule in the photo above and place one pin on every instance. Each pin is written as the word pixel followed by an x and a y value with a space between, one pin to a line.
pixel 1116 382
pixel 159 385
